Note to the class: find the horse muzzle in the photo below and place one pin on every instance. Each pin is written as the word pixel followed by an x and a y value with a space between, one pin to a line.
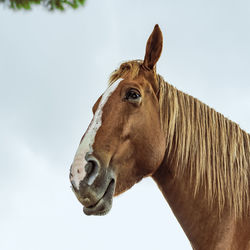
pixel 95 192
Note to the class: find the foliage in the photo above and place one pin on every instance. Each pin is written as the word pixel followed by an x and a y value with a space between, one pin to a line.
pixel 48 4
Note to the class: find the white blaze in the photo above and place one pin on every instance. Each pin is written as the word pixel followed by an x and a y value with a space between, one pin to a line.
pixel 78 167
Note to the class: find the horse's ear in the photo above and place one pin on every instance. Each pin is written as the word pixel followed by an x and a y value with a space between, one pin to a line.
pixel 153 48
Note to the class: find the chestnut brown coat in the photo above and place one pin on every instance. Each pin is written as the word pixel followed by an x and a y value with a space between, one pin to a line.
pixel 200 160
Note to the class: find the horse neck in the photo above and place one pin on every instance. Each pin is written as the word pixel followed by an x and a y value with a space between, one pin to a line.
pixel 201 224
pixel 211 151
pixel 177 179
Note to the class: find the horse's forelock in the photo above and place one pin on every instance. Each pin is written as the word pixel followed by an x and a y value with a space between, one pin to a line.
pixel 131 67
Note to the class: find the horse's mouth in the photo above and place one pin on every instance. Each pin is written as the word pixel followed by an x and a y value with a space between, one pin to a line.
pixel 104 205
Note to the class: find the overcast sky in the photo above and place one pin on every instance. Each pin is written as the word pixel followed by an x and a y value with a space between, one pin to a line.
pixel 53 66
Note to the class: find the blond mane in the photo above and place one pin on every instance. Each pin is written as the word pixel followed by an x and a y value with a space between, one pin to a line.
pixel 210 150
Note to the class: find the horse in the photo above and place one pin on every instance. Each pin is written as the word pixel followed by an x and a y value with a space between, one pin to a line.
pixel 143 126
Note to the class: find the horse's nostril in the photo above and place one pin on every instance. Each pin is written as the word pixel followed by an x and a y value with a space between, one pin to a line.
pixel 91 169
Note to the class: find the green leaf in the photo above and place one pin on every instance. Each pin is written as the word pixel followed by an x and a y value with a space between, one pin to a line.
pixel 51 5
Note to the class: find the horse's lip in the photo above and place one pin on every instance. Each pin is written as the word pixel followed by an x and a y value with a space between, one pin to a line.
pixel 104 205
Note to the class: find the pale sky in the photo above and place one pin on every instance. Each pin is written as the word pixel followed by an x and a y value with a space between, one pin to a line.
pixel 53 66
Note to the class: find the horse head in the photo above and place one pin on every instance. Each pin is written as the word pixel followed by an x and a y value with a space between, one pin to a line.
pixel 125 140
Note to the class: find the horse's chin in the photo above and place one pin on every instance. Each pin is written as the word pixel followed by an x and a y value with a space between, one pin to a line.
pixel 104 205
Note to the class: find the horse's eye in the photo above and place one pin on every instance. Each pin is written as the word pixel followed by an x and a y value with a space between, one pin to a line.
pixel 133 95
